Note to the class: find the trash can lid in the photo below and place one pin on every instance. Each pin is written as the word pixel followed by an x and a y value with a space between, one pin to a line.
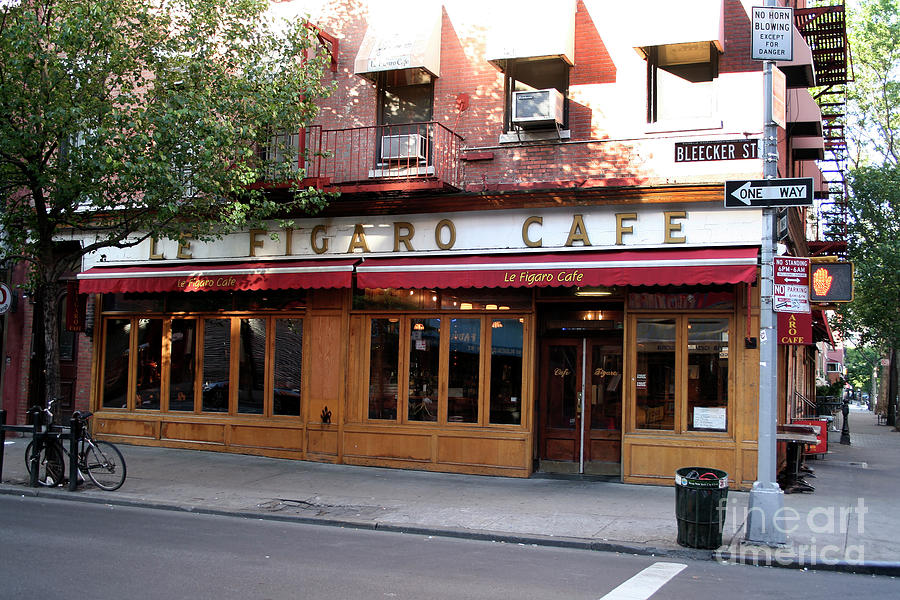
pixel 701 478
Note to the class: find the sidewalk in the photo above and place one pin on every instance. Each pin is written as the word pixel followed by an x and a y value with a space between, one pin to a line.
pixel 848 523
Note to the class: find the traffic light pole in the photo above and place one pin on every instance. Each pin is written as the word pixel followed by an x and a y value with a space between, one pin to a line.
pixel 766 505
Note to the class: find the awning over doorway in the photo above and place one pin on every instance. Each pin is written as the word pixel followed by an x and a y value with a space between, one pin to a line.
pixel 218 277
pixel 696 266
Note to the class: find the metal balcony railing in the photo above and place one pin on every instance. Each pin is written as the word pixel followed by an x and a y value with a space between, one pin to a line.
pixel 408 157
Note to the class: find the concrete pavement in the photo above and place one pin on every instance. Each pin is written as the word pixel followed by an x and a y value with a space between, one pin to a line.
pixel 847 524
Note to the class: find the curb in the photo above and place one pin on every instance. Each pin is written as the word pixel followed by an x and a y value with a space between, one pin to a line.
pixel 469 534
pixel 882 568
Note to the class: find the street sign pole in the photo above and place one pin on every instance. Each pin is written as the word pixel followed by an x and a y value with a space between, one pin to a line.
pixel 766 505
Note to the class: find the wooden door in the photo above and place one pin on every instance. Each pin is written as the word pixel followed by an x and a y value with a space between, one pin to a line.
pixel 562 379
pixel 581 404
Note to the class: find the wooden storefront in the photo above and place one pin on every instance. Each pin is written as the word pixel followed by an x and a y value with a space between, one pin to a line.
pixel 630 381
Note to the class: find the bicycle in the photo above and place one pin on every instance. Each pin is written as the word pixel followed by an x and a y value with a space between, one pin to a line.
pixel 101 461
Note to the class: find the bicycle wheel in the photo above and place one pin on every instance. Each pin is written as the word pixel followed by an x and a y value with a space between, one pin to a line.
pixel 51 464
pixel 105 465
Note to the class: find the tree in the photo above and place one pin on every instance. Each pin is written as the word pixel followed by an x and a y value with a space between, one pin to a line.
pixel 125 119
pixel 873 235
pixel 874 97
pixel 860 364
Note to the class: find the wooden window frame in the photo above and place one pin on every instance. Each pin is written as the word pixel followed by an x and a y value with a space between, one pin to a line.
pixel 681 424
pixel 233 364
pixel 484 369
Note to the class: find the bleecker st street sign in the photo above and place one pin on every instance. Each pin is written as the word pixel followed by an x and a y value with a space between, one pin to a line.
pixel 762 193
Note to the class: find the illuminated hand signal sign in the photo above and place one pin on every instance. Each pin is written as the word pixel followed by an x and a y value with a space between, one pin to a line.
pixel 757 193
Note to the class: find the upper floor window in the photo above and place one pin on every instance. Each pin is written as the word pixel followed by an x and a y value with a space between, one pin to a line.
pixel 681 81
pixel 542 111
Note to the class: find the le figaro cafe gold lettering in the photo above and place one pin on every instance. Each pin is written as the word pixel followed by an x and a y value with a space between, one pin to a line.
pixel 405 236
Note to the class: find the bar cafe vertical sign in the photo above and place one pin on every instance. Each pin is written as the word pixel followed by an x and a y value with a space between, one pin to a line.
pixel 791 300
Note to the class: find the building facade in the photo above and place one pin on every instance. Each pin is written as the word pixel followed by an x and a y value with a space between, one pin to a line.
pixel 529 267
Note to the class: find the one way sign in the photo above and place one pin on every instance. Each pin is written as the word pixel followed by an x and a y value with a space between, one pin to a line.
pixel 756 193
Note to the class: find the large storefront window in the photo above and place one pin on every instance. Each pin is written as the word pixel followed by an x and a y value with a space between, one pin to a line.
pixel 449 369
pixel 384 355
pixel 507 342
pixel 707 374
pixel 424 364
pixel 115 363
pixel 462 391
pixel 263 378
pixel 681 373
pixel 288 359
pixel 252 366
pixel 183 355
pixel 149 369
pixel 216 364
pixel 655 380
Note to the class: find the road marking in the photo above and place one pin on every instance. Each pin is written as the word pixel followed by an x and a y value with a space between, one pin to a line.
pixel 646 583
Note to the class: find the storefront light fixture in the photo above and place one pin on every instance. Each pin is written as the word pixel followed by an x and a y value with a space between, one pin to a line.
pixel 419 327
pixel 496 325
pixel 504 308
pixel 465 306
pixel 592 291
pixel 491 307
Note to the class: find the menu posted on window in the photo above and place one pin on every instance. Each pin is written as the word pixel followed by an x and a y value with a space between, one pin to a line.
pixel 791 293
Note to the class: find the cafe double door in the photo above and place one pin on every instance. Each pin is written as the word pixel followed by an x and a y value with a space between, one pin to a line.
pixel 580 410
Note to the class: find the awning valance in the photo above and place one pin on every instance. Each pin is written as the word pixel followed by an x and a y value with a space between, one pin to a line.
pixel 406 38
pixel 218 277
pixel 702 266
pixel 799 73
pixel 531 29
pixel 808 148
pixel 804 116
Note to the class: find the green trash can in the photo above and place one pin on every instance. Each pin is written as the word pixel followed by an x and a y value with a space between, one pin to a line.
pixel 701 494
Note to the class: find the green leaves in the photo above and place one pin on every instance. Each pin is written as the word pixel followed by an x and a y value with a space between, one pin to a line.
pixel 124 117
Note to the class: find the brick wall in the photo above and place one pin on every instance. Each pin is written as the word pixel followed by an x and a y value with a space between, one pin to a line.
pixel 610 143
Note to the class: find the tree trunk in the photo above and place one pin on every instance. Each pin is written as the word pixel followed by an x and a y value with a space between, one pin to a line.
pixel 49 295
pixel 892 389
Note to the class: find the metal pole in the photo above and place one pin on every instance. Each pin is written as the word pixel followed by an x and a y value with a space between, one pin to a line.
pixel 766 505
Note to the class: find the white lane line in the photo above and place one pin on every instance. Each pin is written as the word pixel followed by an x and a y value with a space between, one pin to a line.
pixel 646 583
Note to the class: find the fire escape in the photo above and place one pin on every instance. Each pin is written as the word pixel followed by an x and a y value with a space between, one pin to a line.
pixel 824 28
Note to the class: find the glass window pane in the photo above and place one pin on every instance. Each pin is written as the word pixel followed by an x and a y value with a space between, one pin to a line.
pixel 288 361
pixel 655 377
pixel 216 359
pixel 424 363
pixel 465 351
pixel 606 384
pixel 506 371
pixel 149 363
pixel 181 364
pixel 708 374
pixel 115 363
pixel 252 366
pixel 384 361
pixel 562 385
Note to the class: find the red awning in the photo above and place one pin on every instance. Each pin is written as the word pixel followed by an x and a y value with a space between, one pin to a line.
pixel 563 269
pixel 218 277
pixel 821 327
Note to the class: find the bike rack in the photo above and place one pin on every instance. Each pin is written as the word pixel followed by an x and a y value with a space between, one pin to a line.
pixel 40 432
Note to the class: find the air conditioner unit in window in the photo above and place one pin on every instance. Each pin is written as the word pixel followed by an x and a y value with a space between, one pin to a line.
pixel 408 146
pixel 537 109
